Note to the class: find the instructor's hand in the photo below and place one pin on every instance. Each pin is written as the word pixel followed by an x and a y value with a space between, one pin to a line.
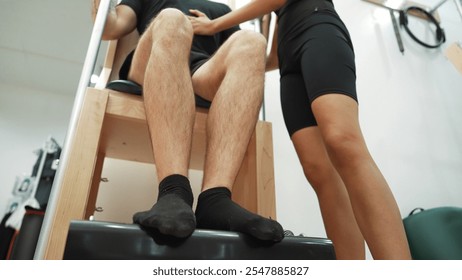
pixel 201 24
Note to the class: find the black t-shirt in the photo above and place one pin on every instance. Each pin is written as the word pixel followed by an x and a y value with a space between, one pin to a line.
pixel 202 46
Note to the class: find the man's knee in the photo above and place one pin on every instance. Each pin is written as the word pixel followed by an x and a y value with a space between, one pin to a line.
pixel 248 43
pixel 173 22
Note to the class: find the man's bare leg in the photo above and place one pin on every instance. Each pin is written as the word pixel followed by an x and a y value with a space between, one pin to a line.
pixel 236 74
pixel 161 65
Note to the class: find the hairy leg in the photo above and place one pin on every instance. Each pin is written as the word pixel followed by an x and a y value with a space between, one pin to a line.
pixel 163 51
pixel 234 79
pixel 373 203
pixel 160 65
pixel 336 211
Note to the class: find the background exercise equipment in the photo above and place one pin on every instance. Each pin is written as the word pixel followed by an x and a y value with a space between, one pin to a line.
pixel 435 234
pixel 20 227
pixel 439 32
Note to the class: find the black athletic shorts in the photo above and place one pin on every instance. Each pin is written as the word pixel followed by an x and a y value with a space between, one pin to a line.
pixel 194 65
pixel 317 61
pixel 196 61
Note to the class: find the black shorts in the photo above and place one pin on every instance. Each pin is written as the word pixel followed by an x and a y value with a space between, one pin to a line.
pixel 194 65
pixel 318 61
pixel 196 61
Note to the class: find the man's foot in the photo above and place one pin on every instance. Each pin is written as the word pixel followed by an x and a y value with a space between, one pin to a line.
pixel 216 210
pixel 172 214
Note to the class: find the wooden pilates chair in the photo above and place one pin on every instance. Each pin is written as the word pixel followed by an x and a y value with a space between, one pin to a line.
pixel 112 124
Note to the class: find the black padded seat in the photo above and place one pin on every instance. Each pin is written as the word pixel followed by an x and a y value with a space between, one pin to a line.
pixel 136 89
pixel 95 240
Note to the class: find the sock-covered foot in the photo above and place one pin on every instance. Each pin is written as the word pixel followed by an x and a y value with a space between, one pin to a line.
pixel 216 210
pixel 172 214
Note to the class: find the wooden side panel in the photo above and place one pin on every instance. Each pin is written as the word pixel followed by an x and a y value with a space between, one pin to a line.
pixel 95 181
pixel 254 187
pixel 78 175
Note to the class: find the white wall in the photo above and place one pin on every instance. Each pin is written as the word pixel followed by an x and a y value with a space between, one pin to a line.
pixel 27 118
pixel 409 111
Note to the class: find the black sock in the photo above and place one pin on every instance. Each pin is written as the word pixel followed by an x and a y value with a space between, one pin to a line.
pixel 216 210
pixel 172 214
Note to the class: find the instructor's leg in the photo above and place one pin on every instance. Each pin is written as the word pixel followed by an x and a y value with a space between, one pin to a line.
pixel 373 203
pixel 328 68
pixel 337 213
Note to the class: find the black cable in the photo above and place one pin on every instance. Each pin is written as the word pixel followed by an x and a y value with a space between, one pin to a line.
pixel 440 36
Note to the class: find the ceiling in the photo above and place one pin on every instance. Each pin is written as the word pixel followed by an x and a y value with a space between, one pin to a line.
pixel 43 43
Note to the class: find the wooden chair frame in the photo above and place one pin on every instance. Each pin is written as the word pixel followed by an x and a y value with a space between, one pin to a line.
pixel 113 124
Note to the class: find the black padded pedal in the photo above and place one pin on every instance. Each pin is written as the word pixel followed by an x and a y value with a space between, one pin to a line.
pixel 94 240
pixel 125 86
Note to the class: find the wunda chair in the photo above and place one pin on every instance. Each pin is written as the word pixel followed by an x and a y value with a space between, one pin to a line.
pixel 112 124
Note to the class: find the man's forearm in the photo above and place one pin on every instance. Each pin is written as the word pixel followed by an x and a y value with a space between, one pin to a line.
pixel 95 7
pixel 111 17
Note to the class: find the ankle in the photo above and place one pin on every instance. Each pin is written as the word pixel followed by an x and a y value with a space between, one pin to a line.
pixel 178 185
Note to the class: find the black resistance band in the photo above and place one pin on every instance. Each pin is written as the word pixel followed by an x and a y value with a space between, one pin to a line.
pixel 440 36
